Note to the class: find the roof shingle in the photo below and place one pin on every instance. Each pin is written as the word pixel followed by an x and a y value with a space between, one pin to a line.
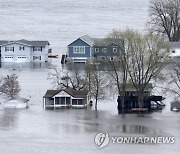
pixel 70 91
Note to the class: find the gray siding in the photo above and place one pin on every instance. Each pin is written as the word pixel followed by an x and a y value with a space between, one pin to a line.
pixel 108 53
pixel 79 42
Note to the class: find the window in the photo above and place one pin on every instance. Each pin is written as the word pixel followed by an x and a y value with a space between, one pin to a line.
pixel 62 101
pixel 21 48
pixel 36 57
pixel 173 51
pixel 68 101
pixel 8 57
pixel 77 101
pixel 79 49
pixel 80 102
pixel 104 50
pixel 96 49
pixel 9 48
pixel 57 100
pixel 22 57
pixel 115 50
pixel 37 48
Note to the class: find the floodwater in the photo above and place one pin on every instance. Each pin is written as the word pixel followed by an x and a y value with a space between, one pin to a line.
pixel 35 130
pixel 62 21
pixel 67 131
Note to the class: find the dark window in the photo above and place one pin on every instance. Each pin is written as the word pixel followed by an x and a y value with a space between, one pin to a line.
pixel 37 48
pixel 21 48
pixel 74 101
pixel 63 100
pixel 57 101
pixel 80 102
pixel 77 102
pixel 173 51
pixel 68 100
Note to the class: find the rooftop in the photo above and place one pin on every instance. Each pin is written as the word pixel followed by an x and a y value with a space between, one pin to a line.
pixel 100 41
pixel 70 91
pixel 26 42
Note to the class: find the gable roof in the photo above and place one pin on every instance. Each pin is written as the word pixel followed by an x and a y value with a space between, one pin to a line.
pixel 70 91
pixel 99 41
pixel 87 39
pixel 25 42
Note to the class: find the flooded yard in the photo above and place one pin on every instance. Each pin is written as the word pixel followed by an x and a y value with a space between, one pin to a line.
pixel 72 131
pixel 35 130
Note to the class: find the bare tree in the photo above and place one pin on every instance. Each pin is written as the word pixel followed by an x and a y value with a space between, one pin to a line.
pixel 68 78
pixel 173 85
pixel 165 18
pixel 119 64
pixel 98 84
pixel 147 55
pixel 10 86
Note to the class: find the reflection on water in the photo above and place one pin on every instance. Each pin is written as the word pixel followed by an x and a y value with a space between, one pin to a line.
pixel 19 66
pixel 8 119
pixel 76 122
pixel 138 129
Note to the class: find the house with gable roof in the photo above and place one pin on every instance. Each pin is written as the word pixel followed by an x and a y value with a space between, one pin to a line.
pixel 24 51
pixel 67 97
pixel 86 48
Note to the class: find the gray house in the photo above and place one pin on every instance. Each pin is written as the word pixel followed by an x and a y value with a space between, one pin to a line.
pixel 67 97
pixel 86 48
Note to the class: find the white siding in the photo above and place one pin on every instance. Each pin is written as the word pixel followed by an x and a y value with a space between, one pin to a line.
pixel 42 54
pixel 25 55
pixel 16 53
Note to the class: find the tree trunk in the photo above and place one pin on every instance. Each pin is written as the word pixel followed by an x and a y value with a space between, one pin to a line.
pixel 96 104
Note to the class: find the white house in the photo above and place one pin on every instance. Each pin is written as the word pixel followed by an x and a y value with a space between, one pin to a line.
pixel 174 49
pixel 24 51
pixel 67 97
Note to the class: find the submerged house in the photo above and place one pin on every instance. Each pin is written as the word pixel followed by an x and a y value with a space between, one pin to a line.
pixel 150 102
pixel 86 48
pixel 17 103
pixel 67 97
pixel 24 51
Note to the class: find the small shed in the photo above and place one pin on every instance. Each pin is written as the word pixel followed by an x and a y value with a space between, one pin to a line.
pixel 16 103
